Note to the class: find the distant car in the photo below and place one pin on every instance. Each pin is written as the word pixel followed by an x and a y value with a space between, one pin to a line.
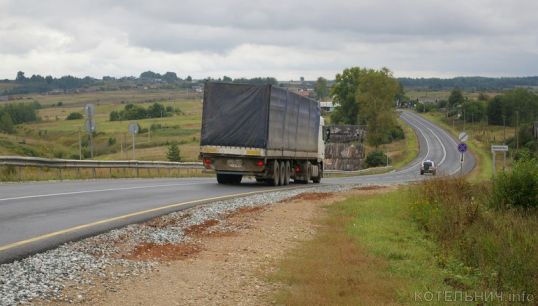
pixel 427 166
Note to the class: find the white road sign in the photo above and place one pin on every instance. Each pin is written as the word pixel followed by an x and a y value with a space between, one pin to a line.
pixel 89 109
pixel 499 148
pixel 133 128
pixel 463 137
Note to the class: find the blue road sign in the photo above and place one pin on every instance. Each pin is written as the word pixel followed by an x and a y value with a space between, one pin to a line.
pixel 462 147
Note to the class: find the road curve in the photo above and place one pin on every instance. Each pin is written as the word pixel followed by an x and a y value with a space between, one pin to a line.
pixel 41 215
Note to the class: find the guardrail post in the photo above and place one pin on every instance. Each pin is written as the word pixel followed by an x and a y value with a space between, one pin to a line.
pixel 94 170
pixel 110 172
pixel 61 174
pixel 137 172
pixel 19 170
pixel 78 172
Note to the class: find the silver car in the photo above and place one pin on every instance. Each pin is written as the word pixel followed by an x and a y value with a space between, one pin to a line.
pixel 427 166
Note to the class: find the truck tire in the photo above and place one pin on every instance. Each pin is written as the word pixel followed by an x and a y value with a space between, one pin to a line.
pixel 288 173
pixel 233 179
pixel 317 179
pixel 282 173
pixel 222 178
pixel 275 181
pixel 308 172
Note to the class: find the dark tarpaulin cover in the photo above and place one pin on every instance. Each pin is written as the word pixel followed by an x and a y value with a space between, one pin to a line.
pixel 260 117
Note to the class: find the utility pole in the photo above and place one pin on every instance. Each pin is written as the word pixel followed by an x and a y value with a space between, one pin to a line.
pixel 134 157
pixel 504 129
pixel 79 145
pixel 517 131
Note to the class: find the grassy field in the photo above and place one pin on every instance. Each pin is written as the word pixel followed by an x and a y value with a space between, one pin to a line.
pixel 433 95
pixel 368 251
pixel 53 136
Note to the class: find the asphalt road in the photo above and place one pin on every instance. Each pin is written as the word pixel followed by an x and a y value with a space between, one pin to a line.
pixel 41 215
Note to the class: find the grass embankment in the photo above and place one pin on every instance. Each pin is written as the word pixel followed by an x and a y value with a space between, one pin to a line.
pixel 407 149
pixel 480 139
pixel 402 246
pixel 368 251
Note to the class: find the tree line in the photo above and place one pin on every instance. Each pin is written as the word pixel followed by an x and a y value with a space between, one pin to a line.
pixel 137 112
pixel 469 83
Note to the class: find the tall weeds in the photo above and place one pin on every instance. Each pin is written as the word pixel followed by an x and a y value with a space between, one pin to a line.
pixel 502 244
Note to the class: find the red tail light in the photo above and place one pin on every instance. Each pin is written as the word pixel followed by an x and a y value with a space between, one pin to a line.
pixel 207 161
pixel 260 163
pixel 297 169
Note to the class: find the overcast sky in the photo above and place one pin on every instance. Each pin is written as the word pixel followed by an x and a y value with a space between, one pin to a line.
pixel 284 39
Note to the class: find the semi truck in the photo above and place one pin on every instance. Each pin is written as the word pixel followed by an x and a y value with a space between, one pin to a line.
pixel 261 131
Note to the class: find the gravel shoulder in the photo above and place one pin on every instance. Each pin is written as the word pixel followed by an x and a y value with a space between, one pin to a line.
pixel 216 253
pixel 231 259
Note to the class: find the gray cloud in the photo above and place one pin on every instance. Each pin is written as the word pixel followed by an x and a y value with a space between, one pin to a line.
pixel 285 39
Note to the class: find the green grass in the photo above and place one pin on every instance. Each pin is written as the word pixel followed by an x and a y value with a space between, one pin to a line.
pixel 410 149
pixel 368 251
pixel 54 136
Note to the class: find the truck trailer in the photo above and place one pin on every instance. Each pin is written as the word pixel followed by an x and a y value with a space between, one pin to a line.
pixel 262 131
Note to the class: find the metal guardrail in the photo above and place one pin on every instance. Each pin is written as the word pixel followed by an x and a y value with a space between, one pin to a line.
pixel 356 171
pixel 39 162
pixel 21 161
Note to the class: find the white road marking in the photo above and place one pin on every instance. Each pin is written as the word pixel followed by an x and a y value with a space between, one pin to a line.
pixel 94 191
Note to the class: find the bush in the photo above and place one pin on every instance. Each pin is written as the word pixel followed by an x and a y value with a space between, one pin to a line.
pixel 376 158
pixel 517 188
pixel 74 116
pixel 136 112
pixel 173 153
pixel 396 133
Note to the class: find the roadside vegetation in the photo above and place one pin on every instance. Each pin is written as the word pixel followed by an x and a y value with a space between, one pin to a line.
pixel 368 251
pixel 443 235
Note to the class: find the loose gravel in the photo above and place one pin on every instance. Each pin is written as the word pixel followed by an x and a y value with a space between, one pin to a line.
pixel 45 276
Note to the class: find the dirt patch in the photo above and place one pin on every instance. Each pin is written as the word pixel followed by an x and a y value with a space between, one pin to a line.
pixel 200 229
pixel 310 196
pixel 162 252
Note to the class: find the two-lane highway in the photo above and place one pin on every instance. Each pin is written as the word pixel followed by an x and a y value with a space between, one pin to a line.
pixel 41 215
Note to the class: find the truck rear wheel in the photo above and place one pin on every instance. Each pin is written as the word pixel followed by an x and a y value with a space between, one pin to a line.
pixel 317 179
pixel 282 173
pixel 287 173
pixel 222 178
pixel 308 173
pixel 276 174
pixel 229 178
